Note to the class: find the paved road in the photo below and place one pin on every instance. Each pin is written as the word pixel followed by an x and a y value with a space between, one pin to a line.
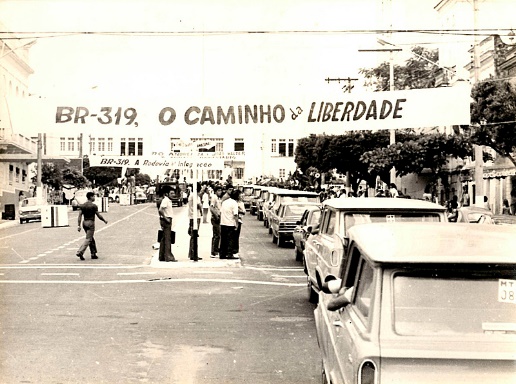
pixel 129 318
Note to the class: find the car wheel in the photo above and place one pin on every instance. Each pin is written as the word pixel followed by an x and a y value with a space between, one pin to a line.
pixel 281 241
pixel 305 268
pixel 117 199
pixel 270 230
pixel 274 239
pixel 21 221
pixel 313 297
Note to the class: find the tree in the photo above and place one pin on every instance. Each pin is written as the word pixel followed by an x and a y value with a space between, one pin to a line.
pixel 75 178
pixel 51 175
pixel 418 72
pixel 493 116
pixel 415 152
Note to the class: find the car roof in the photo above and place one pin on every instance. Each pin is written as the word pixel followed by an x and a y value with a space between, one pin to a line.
pixel 435 242
pixel 359 203
pixel 307 203
pixel 293 192
pixel 474 209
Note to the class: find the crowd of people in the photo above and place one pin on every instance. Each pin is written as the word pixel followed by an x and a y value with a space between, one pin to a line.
pixel 225 206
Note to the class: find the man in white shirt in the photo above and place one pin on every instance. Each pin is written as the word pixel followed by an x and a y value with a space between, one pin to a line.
pixel 228 224
pixel 215 207
pixel 165 220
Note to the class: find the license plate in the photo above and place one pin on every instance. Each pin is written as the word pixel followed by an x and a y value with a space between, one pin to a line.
pixel 507 291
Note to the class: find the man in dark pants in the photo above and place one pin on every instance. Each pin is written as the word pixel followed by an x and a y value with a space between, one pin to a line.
pixel 89 210
pixel 165 220
pixel 215 206
pixel 228 225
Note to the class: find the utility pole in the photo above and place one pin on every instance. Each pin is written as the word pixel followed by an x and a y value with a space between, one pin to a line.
pixel 39 192
pixel 347 88
pixel 392 132
pixel 479 153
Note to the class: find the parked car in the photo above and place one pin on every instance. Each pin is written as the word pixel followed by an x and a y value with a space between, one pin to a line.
pixel 325 246
pixel 472 214
pixel 247 195
pixel 421 303
pixel 30 209
pixel 284 220
pixel 257 189
pixel 265 195
pixel 279 196
pixel 309 220
pixel 140 196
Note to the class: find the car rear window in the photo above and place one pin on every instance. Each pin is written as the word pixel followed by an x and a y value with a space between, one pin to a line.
pixel 295 210
pixel 352 219
pixel 465 303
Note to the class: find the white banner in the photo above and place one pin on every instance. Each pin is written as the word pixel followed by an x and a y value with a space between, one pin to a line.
pixel 347 111
pixel 156 162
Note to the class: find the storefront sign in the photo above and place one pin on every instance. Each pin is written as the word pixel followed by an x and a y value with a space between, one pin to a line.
pixel 156 162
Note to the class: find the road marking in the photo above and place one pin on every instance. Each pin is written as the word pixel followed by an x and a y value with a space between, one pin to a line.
pixel 135 273
pixel 166 280
pixel 17 234
pixel 296 277
pixel 213 272
pixel 71 266
pixel 59 274
pixel 275 269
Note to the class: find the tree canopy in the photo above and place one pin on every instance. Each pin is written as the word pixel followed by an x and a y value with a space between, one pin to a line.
pixel 493 116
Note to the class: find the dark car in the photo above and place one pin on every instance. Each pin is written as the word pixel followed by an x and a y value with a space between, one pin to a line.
pixel 309 220
pixel 284 220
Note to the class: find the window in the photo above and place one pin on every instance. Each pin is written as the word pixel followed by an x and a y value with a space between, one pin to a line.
pixel 290 147
pixel 92 144
pixel 62 146
pixel 110 144
pixel 364 290
pixel 219 147
pixel 11 174
pixel 17 179
pixel 328 226
pixel 122 147
pixel 102 144
pixel 239 145
pixel 24 175
pixel 274 147
pixel 140 147
pixel 239 173
pixel 282 172
pixel 71 144
pixel 282 148
pixel 131 148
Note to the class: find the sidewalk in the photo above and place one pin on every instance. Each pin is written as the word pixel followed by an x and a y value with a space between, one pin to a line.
pixel 8 223
pixel 180 251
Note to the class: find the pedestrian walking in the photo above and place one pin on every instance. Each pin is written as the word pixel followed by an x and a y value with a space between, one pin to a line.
pixel 192 252
pixel 165 221
pixel 506 209
pixel 215 207
pixel 87 215
pixel 205 205
pixel 228 225
pixel 236 235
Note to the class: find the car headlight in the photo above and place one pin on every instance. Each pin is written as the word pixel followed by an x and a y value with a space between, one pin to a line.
pixel 39 210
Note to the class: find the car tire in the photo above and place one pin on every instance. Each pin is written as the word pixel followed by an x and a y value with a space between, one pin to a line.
pixel 21 221
pixel 313 297
pixel 281 241
pixel 274 239
pixel 270 230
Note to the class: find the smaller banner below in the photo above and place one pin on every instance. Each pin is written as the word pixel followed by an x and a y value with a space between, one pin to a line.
pixel 156 162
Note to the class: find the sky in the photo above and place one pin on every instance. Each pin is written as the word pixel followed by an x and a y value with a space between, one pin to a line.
pixel 251 48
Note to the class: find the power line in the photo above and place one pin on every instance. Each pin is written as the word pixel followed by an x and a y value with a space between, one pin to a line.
pixel 53 34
